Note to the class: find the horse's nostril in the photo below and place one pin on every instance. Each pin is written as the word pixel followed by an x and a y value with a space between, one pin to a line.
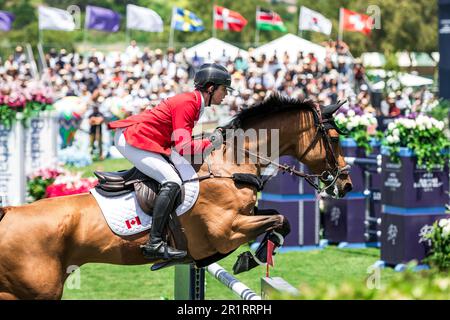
pixel 348 187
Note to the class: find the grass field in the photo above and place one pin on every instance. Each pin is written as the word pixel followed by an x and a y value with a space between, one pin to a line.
pixel 330 265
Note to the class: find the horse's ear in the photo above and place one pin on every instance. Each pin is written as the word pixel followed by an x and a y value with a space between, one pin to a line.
pixel 328 111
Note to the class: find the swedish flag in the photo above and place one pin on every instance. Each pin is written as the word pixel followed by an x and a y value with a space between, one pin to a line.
pixel 185 20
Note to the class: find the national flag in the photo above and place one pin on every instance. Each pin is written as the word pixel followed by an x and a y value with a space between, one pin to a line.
pixel 226 19
pixel 6 20
pixel 314 21
pixel 354 21
pixel 133 222
pixel 269 20
pixel 55 19
pixel 140 18
pixel 185 20
pixel 102 19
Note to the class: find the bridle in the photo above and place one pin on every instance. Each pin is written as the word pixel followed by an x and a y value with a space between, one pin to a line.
pixel 332 171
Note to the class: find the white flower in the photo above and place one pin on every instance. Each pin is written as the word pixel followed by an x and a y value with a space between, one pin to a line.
pixel 396 132
pixel 443 223
pixel 446 230
pixel 351 113
pixel 365 120
pixel 440 125
pixel 349 125
pixel 390 139
pixel 391 126
pixel 396 139
pixel 340 118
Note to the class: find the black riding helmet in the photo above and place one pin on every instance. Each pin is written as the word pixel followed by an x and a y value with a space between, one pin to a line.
pixel 212 74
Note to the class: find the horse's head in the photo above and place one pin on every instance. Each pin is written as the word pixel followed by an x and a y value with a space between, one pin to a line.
pixel 322 153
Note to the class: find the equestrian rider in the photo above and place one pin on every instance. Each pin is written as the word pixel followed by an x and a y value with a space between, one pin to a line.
pixel 146 140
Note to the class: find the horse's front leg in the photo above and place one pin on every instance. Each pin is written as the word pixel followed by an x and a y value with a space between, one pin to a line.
pixel 245 228
pixel 246 260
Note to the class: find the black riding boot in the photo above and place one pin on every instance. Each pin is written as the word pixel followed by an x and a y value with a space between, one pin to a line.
pixel 156 247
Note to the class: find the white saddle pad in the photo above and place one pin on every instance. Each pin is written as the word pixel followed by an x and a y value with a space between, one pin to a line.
pixel 124 215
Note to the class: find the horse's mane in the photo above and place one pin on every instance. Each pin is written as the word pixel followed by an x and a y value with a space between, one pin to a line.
pixel 274 104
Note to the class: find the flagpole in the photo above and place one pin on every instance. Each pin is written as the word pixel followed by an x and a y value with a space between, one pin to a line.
pixel 214 31
pixel 172 30
pixel 86 17
pixel 341 26
pixel 257 29
pixel 40 37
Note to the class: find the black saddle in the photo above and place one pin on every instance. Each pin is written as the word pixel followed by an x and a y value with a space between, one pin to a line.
pixel 113 184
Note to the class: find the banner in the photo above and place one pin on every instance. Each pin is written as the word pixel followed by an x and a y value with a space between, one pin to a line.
pixel 55 19
pixel 226 19
pixel 6 20
pixel 314 21
pixel 354 21
pixel 102 19
pixel 140 18
pixel 444 49
pixel 269 20
pixel 185 20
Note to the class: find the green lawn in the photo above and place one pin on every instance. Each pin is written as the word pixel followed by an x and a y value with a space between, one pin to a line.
pixel 330 265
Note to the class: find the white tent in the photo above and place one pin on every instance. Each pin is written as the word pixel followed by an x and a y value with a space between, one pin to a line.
pixel 406 80
pixel 373 59
pixel 293 45
pixel 214 49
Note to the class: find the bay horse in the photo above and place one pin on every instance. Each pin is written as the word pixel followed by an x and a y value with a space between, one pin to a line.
pixel 39 241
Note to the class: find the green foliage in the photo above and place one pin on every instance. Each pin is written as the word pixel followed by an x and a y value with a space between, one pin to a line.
pixel 439 256
pixel 7 116
pixel 36 187
pixel 441 110
pixel 408 285
pixel 424 136
pixel 32 109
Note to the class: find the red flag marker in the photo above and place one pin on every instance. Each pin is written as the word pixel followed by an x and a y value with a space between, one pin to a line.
pixel 270 248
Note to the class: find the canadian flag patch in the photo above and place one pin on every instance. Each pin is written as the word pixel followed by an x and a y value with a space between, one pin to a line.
pixel 133 222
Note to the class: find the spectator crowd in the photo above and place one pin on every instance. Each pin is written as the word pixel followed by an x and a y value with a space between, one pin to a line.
pixel 124 83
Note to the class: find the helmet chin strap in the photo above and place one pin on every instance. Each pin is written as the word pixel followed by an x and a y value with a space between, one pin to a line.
pixel 211 95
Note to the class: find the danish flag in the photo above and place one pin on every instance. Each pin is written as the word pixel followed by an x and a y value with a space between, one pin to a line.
pixel 133 222
pixel 226 19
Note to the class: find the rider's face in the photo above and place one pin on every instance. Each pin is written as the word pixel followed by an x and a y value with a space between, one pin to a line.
pixel 219 95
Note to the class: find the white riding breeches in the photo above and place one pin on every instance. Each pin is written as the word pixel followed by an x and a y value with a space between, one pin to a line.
pixel 150 163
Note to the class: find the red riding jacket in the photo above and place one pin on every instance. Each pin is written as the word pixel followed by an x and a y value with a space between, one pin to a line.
pixel 152 129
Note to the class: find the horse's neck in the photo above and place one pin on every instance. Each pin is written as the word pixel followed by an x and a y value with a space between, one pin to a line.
pixel 277 136
pixel 286 129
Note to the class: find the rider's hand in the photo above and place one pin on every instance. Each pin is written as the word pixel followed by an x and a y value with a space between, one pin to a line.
pixel 216 138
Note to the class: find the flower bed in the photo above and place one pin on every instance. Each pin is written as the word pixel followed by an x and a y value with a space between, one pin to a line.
pixel 359 126
pixel 56 182
pixel 29 102
pixel 423 135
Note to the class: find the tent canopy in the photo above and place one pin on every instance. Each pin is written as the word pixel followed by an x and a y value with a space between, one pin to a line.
pixel 373 59
pixel 406 79
pixel 291 44
pixel 214 49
